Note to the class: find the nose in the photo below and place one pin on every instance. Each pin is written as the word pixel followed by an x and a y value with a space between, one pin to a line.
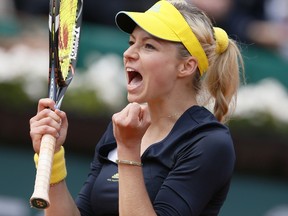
pixel 131 53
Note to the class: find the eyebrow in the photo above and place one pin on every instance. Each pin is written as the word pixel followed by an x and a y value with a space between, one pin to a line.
pixel 150 37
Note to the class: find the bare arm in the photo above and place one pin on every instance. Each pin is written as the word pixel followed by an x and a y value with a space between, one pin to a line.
pixel 133 196
pixel 61 202
pixel 129 127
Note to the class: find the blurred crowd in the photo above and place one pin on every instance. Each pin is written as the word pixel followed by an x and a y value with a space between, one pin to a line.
pixel 264 22
pixel 260 22
pixel 99 12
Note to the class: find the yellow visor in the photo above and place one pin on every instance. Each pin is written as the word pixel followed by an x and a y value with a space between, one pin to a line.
pixel 164 21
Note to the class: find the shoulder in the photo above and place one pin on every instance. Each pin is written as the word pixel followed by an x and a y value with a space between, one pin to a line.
pixel 202 134
pixel 201 122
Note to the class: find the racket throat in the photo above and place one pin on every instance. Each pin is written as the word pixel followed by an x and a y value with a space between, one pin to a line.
pixel 52 88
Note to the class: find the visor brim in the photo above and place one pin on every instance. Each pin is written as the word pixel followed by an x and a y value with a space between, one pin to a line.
pixel 127 21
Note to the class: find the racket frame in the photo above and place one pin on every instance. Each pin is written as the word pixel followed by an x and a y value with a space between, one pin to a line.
pixel 57 87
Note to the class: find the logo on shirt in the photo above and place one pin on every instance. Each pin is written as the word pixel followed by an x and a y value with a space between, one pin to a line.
pixel 114 178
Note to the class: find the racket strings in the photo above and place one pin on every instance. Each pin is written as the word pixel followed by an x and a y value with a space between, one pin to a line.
pixel 67 23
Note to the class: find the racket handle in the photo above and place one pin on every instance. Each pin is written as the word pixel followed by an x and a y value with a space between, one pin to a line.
pixel 40 196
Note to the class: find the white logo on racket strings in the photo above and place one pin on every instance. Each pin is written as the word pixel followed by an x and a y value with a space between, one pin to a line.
pixel 76 36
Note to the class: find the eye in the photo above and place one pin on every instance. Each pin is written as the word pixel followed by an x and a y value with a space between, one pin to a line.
pixel 130 42
pixel 149 46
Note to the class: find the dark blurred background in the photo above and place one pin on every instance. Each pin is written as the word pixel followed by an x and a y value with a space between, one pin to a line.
pixel 259 126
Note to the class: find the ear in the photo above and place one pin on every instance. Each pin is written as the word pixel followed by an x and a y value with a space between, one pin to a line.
pixel 188 66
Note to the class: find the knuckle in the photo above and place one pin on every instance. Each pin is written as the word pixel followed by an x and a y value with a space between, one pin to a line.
pixel 32 120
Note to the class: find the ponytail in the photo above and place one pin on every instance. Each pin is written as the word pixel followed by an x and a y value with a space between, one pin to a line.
pixel 222 80
pixel 218 86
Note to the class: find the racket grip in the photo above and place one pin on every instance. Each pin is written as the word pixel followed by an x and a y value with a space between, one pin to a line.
pixel 40 196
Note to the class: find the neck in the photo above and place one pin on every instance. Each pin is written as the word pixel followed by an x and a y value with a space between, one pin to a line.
pixel 162 122
pixel 170 117
pixel 160 112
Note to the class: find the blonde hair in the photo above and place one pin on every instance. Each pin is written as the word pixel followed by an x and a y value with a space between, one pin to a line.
pixel 219 84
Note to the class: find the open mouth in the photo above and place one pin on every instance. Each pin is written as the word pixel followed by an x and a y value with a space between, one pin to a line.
pixel 134 77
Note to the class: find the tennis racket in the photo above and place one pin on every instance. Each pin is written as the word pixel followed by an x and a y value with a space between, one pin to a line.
pixel 65 17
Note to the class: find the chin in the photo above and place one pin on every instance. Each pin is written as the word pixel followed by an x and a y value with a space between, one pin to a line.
pixel 132 99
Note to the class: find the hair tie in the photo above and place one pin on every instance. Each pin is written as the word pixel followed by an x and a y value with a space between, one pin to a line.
pixel 222 40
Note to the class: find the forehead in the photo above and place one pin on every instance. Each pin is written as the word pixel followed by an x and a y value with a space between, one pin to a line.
pixel 139 32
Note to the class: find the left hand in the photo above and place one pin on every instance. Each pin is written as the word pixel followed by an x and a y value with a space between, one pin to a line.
pixel 130 125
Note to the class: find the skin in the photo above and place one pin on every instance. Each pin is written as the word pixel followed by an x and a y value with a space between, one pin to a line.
pixel 165 89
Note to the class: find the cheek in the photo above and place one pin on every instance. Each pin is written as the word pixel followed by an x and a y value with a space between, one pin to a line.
pixel 162 73
pixel 161 65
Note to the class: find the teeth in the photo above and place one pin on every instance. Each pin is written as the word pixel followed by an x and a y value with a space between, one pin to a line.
pixel 129 70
